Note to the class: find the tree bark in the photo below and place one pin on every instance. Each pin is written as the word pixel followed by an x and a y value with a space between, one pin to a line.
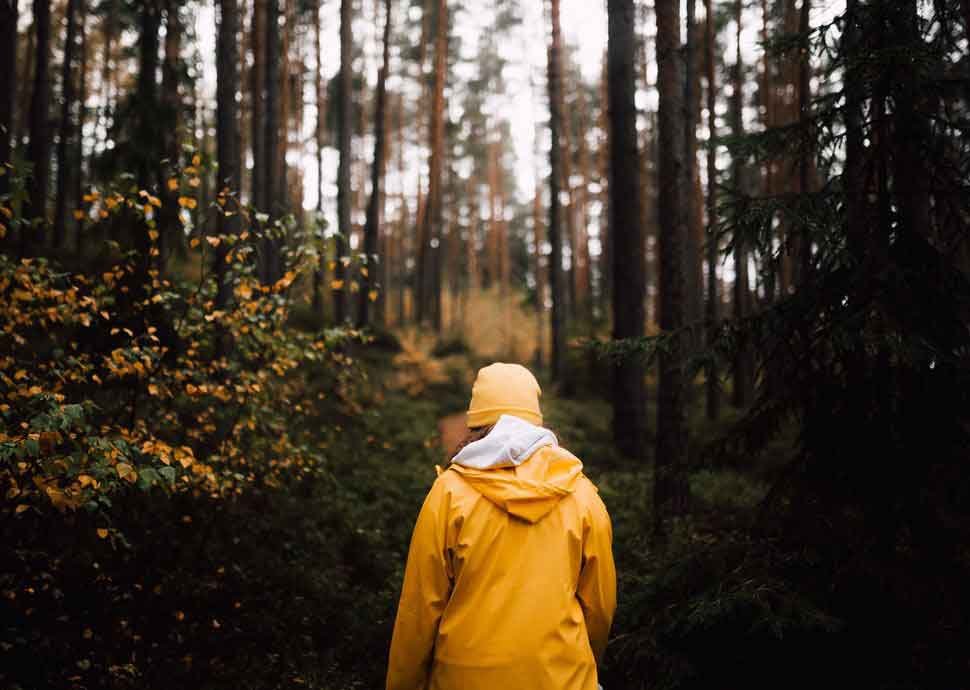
pixel 8 85
pixel 169 230
pixel 228 141
pixel 713 311
pixel 629 392
pixel 274 204
pixel 38 148
pixel 67 130
pixel 429 277
pixel 344 124
pixel 320 273
pixel 372 224
pixel 558 350
pixel 77 163
pixel 670 483
pixel 257 82
pixel 693 280
pixel 743 374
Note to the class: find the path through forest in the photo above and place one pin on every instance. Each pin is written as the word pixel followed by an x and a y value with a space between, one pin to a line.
pixel 451 430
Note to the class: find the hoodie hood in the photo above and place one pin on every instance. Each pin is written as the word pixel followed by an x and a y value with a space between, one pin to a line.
pixel 496 466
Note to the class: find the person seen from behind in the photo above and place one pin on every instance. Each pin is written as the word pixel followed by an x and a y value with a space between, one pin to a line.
pixel 510 582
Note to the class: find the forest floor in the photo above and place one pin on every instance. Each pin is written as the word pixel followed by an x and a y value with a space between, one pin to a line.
pixel 296 585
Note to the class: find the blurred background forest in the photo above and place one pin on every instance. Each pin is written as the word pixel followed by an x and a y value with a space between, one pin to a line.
pixel 252 253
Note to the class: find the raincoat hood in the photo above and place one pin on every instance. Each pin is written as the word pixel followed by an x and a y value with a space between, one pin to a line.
pixel 496 466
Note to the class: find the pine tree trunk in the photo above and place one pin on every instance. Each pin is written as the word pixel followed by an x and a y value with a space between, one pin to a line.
pixel 77 163
pixel 403 219
pixel 257 82
pixel 228 141
pixel 625 227
pixel 583 278
pixel 743 374
pixel 429 277
pixel 539 234
pixel 806 162
pixel 319 275
pixel 558 351
pixel 670 483
pixel 169 230
pixel 569 212
pixel 67 130
pixel 8 84
pixel 373 260
pixel 344 114
pixel 271 137
pixel 38 148
pixel 693 279
pixel 713 312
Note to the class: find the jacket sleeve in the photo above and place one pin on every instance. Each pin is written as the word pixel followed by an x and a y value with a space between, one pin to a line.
pixel 427 587
pixel 597 578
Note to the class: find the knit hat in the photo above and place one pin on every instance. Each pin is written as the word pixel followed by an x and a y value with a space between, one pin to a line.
pixel 504 389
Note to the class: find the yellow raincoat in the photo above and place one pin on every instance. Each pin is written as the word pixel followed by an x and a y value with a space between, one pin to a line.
pixel 510 583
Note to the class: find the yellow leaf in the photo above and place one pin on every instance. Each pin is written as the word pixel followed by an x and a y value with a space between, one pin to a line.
pixel 173 184
pixel 22 374
pixel 155 201
pixel 152 389
pixel 336 285
pixel 86 480
pixel 194 182
pixel 196 159
pixel 194 242
pixel 127 472
pixel 153 235
pixel 7 212
pixel 213 241
pixel 187 202
pixel 78 214
pixel 363 271
pixel 21 508
pixel 102 534
pixel 372 295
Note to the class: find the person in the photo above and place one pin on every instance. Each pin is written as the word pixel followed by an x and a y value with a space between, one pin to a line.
pixel 510 582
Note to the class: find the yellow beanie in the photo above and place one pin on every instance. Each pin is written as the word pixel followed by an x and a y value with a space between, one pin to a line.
pixel 504 389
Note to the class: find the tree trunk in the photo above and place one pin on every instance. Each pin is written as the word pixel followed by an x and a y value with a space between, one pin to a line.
pixel 77 163
pixel 67 130
pixel 320 273
pixel 713 298
pixel 228 141
pixel 558 351
pixel 572 292
pixel 169 230
pixel 693 196
pixel 344 114
pixel 629 393
pixel 257 82
pixel 404 217
pixel 539 235
pixel 275 187
pixel 38 148
pixel 428 276
pixel 372 225
pixel 8 85
pixel 583 279
pixel 670 483
pixel 806 161
pixel 743 374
